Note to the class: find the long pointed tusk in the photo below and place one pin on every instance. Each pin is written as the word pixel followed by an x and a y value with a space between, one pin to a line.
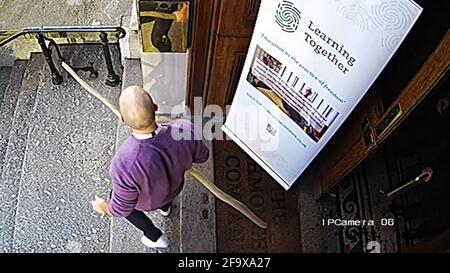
pixel 227 198
pixel 91 89
pixel 193 172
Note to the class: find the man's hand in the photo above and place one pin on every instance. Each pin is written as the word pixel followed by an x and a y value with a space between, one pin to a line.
pixel 182 14
pixel 100 205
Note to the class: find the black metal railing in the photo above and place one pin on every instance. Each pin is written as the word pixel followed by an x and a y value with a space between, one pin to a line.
pixel 40 33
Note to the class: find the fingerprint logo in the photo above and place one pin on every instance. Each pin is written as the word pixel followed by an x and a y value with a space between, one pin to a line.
pixel 390 43
pixel 357 15
pixel 287 16
pixel 392 15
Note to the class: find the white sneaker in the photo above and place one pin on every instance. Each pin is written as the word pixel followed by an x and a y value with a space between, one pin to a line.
pixel 165 213
pixel 162 242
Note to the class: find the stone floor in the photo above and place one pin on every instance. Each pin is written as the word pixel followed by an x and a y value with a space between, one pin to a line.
pixel 55 162
pixel 316 238
pixel 62 13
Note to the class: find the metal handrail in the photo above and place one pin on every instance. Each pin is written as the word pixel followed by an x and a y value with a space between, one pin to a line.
pixel 112 80
pixel 120 32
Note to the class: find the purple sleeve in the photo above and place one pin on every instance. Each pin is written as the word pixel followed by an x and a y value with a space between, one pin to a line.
pixel 125 193
pixel 201 152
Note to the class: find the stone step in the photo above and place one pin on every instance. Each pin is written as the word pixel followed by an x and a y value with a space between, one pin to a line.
pixel 198 216
pixel 7 110
pixel 130 46
pixel 15 150
pixel 132 73
pixel 62 13
pixel 8 105
pixel 70 144
pixel 4 76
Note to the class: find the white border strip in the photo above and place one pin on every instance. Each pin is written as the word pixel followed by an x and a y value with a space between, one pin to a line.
pixel 258 160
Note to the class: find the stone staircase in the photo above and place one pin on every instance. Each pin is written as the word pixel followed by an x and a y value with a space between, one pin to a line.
pixel 56 143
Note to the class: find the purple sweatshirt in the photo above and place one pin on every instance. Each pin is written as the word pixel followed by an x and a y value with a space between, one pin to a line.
pixel 148 174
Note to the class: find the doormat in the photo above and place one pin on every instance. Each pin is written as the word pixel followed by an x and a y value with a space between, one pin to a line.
pixel 241 177
pixel 358 199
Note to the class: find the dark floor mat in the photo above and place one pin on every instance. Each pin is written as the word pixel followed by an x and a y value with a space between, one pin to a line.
pixel 241 177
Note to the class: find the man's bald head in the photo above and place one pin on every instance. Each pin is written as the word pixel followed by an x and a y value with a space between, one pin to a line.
pixel 137 108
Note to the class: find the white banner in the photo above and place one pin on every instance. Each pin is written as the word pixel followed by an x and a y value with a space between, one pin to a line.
pixel 308 65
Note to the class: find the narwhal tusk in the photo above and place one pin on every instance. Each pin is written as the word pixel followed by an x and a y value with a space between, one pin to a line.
pixel 91 89
pixel 227 198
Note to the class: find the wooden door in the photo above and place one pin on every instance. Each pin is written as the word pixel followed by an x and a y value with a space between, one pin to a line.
pixel 222 33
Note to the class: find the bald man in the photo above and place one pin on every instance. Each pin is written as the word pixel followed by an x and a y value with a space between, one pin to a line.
pixel 148 170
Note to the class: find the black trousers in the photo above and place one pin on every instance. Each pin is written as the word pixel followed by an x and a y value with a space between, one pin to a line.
pixel 142 222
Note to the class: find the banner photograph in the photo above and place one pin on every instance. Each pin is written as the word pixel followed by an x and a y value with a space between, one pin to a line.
pixel 311 112
pixel 308 65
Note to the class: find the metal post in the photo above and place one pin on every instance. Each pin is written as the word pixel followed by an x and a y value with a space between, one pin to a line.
pixel 56 77
pixel 112 79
